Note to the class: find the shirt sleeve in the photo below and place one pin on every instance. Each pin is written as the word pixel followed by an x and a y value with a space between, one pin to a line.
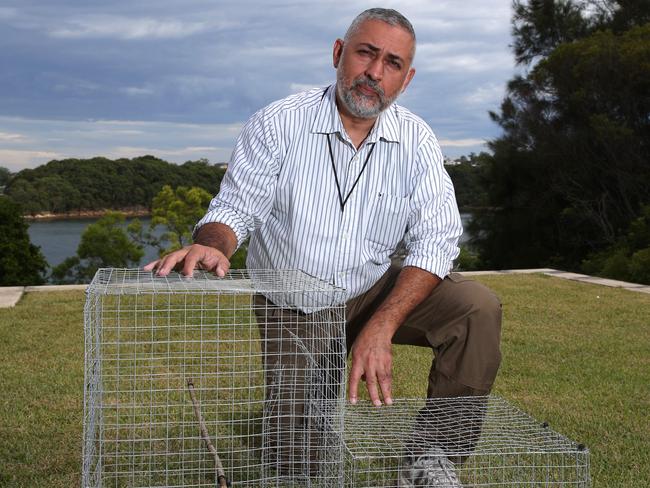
pixel 434 225
pixel 245 198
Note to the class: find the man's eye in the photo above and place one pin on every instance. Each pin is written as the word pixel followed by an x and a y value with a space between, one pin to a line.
pixel 395 64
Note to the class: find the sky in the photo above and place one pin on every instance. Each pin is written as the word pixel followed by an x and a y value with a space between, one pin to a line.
pixel 179 78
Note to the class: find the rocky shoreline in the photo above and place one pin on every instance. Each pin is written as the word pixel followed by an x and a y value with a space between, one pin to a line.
pixel 90 214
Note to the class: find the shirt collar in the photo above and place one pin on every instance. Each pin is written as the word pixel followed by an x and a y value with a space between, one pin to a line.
pixel 328 120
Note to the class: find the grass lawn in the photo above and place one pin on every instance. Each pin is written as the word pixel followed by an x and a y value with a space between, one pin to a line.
pixel 574 354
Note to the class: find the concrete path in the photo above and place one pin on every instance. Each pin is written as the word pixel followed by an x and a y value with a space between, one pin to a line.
pixel 595 280
pixel 10 295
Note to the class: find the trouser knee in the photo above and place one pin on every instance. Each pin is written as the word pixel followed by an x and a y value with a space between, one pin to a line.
pixel 468 346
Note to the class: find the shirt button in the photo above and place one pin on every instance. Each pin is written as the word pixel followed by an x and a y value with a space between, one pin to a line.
pixel 345 236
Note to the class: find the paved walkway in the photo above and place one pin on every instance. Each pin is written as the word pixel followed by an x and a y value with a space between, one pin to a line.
pixel 10 295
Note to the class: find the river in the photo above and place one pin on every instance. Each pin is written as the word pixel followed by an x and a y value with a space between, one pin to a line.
pixel 58 239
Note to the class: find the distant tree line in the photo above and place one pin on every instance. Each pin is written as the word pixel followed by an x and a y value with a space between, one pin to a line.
pixel 77 185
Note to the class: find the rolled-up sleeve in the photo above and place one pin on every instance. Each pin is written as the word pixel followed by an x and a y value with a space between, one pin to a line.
pixel 434 225
pixel 245 198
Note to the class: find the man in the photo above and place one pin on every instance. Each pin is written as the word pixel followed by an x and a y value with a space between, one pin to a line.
pixel 330 181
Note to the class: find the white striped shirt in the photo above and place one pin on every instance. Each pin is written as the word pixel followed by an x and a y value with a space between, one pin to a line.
pixel 280 189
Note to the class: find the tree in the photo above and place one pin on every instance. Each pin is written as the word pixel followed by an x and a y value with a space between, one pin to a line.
pixel 21 263
pixel 104 244
pixel 467 180
pixel 5 176
pixel 570 172
pixel 178 211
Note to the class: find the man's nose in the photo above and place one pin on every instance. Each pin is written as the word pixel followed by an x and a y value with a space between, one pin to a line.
pixel 375 69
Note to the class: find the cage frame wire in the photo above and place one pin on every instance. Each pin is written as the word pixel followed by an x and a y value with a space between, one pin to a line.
pixel 179 333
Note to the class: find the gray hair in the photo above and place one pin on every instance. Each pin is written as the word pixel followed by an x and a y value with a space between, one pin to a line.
pixel 388 15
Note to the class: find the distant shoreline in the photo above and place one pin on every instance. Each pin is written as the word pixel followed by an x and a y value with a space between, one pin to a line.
pixel 89 214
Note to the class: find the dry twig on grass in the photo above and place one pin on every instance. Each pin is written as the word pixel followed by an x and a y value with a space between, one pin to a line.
pixel 222 481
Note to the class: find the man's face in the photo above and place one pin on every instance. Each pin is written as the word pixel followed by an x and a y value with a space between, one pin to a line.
pixel 372 68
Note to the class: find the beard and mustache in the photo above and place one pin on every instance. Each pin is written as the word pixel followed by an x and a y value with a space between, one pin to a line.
pixel 359 103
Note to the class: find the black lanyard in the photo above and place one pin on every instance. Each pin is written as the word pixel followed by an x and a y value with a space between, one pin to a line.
pixel 343 201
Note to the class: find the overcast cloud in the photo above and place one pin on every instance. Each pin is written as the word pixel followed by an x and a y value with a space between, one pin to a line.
pixel 178 78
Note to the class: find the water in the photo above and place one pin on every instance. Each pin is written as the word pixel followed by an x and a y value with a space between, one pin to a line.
pixel 59 239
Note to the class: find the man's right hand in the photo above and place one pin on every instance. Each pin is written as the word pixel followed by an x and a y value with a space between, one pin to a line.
pixel 196 256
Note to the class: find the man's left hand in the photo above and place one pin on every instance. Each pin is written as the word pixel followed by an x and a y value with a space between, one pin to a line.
pixel 372 360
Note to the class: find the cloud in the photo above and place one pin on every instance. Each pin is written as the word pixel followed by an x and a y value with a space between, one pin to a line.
pixel 7 13
pixel 300 87
pixel 51 139
pixel 15 160
pixel 450 58
pixel 8 136
pixel 488 95
pixel 181 154
pixel 126 28
pixel 461 142
pixel 137 91
pixel 95 78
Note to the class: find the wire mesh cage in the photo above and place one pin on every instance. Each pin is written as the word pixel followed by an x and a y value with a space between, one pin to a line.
pixel 192 381
pixel 457 442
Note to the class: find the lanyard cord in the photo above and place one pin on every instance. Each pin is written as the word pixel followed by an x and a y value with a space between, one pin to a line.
pixel 336 178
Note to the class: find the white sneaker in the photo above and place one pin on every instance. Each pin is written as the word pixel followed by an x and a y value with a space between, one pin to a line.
pixel 433 469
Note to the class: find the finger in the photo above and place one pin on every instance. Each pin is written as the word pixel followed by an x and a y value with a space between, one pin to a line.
pixel 373 391
pixel 152 265
pixel 222 267
pixel 192 257
pixel 353 386
pixel 169 262
pixel 385 382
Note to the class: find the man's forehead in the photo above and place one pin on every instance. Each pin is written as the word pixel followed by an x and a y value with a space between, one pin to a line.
pixel 379 34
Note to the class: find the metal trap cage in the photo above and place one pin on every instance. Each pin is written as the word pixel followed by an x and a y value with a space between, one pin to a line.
pixel 489 442
pixel 192 381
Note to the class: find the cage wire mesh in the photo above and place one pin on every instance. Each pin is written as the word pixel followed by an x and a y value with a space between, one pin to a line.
pixel 174 365
pixel 489 442
pixel 252 367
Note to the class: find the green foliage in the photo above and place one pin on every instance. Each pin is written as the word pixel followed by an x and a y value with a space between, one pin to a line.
pixel 103 244
pixel 468 180
pixel 73 185
pixel 21 263
pixel 467 260
pixel 238 260
pixel 178 211
pixel 571 171
pixel 629 258
pixel 5 176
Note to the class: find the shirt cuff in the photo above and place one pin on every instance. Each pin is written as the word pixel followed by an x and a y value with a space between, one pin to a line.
pixel 226 216
pixel 437 265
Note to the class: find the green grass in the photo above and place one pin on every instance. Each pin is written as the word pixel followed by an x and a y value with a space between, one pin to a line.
pixel 574 354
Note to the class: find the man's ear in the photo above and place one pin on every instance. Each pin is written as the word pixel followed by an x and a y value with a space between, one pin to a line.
pixel 408 79
pixel 337 52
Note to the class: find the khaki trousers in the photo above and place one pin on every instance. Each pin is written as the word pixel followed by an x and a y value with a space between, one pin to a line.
pixel 460 322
